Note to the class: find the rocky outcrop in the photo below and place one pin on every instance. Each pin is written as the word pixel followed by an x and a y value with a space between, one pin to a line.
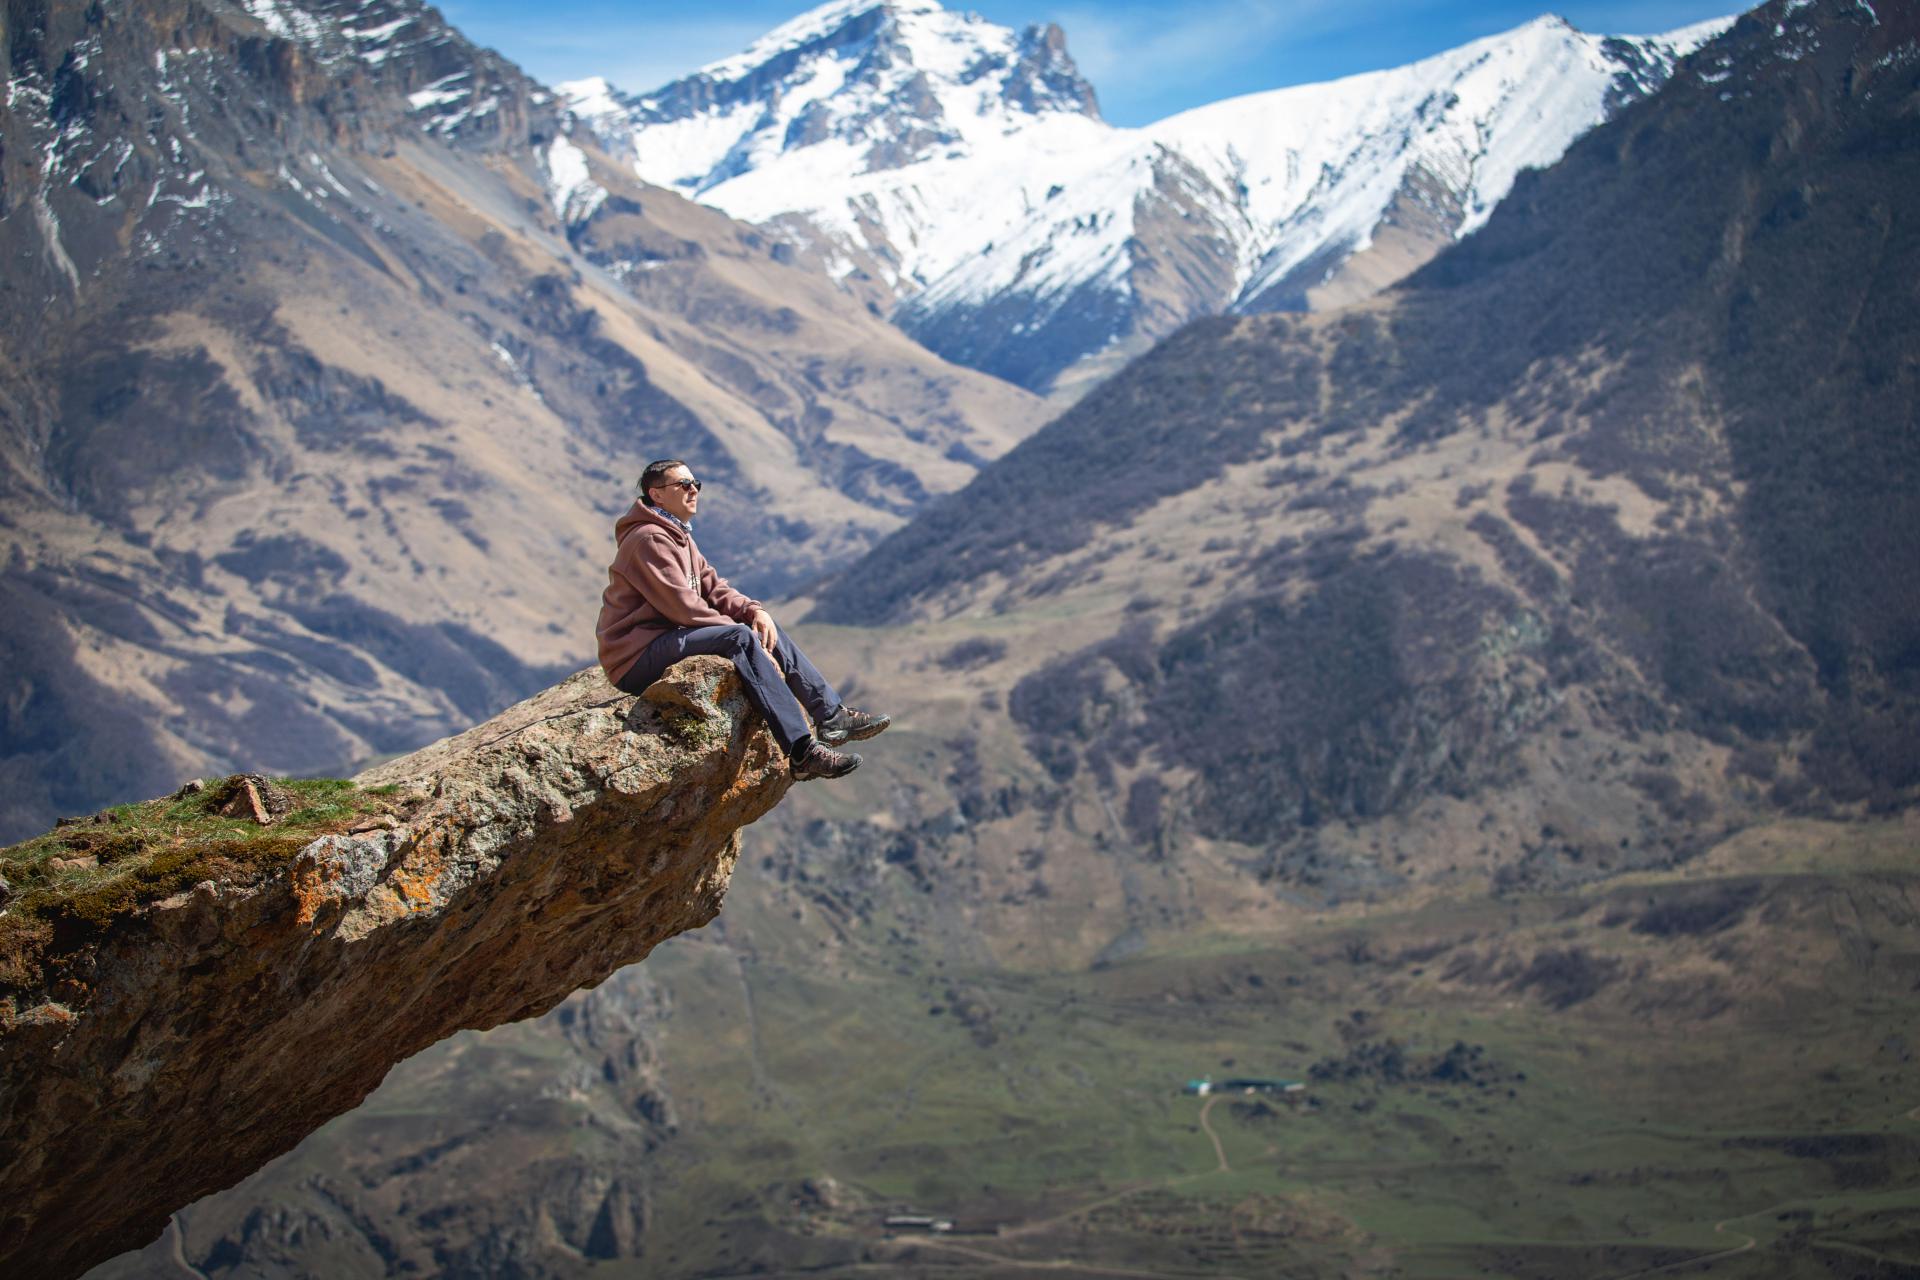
pixel 530 857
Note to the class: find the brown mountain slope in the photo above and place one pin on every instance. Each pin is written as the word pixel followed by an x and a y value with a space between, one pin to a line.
pixel 1599 537
pixel 326 358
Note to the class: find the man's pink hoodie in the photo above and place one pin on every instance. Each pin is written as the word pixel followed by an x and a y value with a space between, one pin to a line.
pixel 658 581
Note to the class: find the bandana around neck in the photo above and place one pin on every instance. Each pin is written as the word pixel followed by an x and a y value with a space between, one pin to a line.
pixel 662 511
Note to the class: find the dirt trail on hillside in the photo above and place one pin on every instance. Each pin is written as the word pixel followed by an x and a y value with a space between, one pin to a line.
pixel 1218 1150
pixel 1058 1219
pixel 1722 1228
pixel 1220 1153
pixel 177 1251
pixel 1719 1228
pixel 1054 1264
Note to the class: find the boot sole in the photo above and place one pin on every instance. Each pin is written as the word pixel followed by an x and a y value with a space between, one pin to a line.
pixel 874 730
pixel 811 776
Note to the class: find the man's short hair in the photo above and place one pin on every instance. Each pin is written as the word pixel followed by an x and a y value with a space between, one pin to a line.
pixel 656 475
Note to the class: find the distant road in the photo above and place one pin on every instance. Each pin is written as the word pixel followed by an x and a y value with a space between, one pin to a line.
pixel 1091 1268
pixel 1720 1228
pixel 1218 1150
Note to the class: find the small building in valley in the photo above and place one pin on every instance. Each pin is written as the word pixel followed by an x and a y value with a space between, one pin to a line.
pixel 1243 1084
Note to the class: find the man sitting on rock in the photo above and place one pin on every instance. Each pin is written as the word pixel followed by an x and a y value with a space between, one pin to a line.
pixel 664 602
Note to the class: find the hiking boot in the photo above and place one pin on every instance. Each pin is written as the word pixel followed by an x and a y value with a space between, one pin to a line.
pixel 848 725
pixel 824 762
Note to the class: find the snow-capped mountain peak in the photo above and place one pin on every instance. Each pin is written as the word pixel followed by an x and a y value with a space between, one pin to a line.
pixel 965 169
pixel 811 28
pixel 856 84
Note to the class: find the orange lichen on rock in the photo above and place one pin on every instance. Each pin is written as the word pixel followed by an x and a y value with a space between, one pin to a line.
pixel 416 880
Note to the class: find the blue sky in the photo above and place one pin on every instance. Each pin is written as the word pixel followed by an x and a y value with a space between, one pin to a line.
pixel 1146 58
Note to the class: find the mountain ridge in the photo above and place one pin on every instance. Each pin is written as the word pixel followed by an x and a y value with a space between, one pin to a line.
pixel 1595 409
pixel 1064 242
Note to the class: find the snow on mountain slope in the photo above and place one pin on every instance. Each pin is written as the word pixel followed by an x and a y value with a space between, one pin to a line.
pixel 870 118
pixel 454 90
pixel 1319 164
pixel 963 170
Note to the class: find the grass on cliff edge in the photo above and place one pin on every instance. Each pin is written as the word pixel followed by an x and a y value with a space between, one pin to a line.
pixel 71 885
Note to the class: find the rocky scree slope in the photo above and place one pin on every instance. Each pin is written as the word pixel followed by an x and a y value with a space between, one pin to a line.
pixel 327 357
pixel 960 173
pixel 172 1049
pixel 1595 539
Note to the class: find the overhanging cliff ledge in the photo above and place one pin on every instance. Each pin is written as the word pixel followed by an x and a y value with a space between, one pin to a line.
pixel 189 1039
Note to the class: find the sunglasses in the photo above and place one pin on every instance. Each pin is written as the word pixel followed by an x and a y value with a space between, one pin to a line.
pixel 691 486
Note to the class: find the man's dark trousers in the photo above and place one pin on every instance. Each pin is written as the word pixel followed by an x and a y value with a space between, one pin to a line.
pixel 778 696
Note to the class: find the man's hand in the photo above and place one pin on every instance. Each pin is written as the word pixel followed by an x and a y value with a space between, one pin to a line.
pixel 769 636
